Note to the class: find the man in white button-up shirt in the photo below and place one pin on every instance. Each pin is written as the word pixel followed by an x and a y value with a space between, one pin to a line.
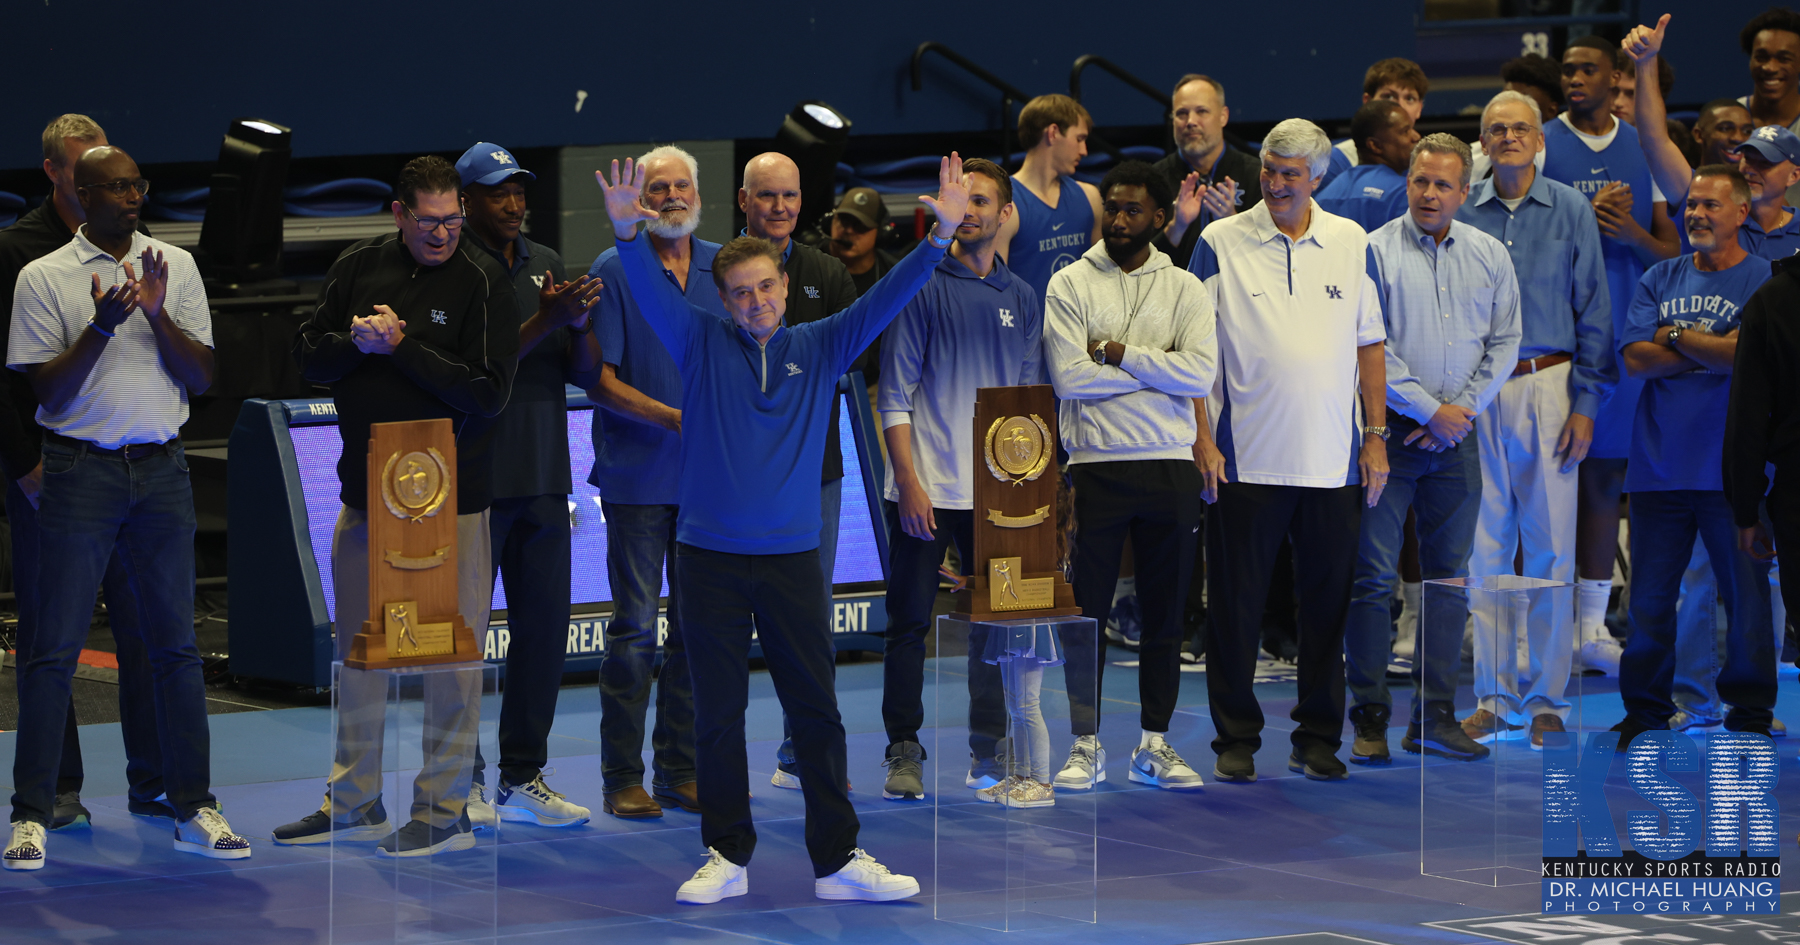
pixel 1300 368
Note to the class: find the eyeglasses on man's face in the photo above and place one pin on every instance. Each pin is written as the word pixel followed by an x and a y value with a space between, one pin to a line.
pixel 1518 129
pixel 118 188
pixel 427 224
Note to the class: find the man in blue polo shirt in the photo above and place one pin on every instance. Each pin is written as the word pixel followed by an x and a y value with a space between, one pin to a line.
pixel 637 468
pixel 974 325
pixel 755 396
pixel 1374 191
pixel 1682 340
pixel 1537 431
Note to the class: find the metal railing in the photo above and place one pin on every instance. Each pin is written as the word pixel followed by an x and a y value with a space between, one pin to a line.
pixel 1010 94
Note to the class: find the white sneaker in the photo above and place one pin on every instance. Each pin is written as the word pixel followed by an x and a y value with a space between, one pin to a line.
pixel 1086 766
pixel 863 878
pixel 718 879
pixel 481 810
pixel 26 849
pixel 207 834
pixel 535 803
pixel 1159 766
pixel 1602 654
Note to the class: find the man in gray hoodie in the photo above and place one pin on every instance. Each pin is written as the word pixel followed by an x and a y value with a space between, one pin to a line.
pixel 1128 341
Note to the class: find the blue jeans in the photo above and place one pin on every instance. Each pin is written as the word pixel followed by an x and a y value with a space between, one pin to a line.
pixel 639 540
pixel 1696 639
pixel 1445 490
pixel 94 506
pixel 1663 526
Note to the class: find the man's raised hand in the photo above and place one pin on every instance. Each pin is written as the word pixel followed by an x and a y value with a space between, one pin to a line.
pixel 1221 198
pixel 623 203
pixel 112 306
pixel 1644 43
pixel 1188 202
pixel 568 303
pixel 153 285
pixel 952 201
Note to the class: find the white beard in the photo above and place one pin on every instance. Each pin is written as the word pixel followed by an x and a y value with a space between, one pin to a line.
pixel 675 231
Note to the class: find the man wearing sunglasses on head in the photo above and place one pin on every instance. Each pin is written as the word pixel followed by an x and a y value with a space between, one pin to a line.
pixel 414 325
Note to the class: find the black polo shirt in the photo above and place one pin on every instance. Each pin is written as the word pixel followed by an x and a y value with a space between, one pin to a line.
pixel 1243 168
pixel 531 436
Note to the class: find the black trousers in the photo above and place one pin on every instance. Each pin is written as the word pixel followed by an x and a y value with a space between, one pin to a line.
pixel 911 593
pixel 530 537
pixel 1248 524
pixel 1157 505
pixel 724 597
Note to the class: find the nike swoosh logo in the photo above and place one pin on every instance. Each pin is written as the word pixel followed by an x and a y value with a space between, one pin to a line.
pixel 1058 226
pixel 1256 295
pixel 1598 170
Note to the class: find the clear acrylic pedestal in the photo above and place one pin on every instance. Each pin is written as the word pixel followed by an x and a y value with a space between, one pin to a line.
pixel 1481 821
pixel 407 736
pixel 1002 867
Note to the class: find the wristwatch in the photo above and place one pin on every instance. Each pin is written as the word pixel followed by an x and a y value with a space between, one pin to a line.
pixel 1673 335
pixel 1100 352
pixel 1376 431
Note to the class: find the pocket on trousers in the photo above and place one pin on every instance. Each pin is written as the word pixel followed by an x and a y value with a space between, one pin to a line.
pixel 179 455
pixel 58 459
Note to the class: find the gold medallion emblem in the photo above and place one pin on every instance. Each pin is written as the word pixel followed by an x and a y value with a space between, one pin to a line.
pixel 1017 448
pixel 415 485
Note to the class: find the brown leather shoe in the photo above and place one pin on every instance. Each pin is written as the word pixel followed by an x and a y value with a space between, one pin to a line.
pixel 685 796
pixel 1484 727
pixel 631 804
pixel 1547 722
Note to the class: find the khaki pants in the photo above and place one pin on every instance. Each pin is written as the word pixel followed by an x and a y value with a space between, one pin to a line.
pixel 1526 501
pixel 452 699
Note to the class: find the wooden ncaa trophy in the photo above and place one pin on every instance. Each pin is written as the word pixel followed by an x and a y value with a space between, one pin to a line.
pixel 1015 573
pixel 413 618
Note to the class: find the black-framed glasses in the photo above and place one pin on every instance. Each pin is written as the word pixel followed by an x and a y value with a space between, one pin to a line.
pixel 119 187
pixel 427 224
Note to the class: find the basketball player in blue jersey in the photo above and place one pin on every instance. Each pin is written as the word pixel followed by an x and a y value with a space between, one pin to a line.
pixel 1058 217
pixel 1592 151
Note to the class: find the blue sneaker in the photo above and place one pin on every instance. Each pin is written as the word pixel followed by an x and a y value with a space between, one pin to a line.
pixel 1125 626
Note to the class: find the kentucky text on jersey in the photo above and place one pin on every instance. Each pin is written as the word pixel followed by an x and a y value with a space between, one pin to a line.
pixel 1058 242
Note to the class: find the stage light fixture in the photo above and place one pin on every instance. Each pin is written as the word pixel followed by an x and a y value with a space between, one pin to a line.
pixel 813 134
pixel 241 237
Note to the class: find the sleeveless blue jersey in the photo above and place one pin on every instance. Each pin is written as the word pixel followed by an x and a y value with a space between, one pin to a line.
pixel 1049 239
pixel 1569 160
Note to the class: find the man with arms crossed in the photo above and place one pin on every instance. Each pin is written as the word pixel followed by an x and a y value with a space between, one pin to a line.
pixel 755 397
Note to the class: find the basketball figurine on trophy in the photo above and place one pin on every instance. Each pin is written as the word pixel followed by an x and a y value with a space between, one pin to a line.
pixel 1014 571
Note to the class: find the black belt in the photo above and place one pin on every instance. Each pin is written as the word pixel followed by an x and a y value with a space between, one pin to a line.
pixel 128 451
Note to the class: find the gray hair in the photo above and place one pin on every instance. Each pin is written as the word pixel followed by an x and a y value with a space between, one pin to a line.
pixel 1442 143
pixel 671 151
pixel 1515 98
pixel 1299 138
pixel 62 127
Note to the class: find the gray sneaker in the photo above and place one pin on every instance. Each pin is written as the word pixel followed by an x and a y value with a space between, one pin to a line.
pixel 1159 766
pixel 905 778
pixel 69 812
pixel 418 838
pixel 984 773
pixel 318 827
pixel 1086 766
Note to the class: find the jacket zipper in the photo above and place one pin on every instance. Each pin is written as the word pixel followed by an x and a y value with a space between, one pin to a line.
pixel 765 368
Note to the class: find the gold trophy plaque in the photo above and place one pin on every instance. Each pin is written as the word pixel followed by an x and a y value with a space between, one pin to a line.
pixel 1015 560
pixel 412 617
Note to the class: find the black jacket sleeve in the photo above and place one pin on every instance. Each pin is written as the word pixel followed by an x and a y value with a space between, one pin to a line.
pixel 323 347
pixel 19 451
pixel 1754 376
pixel 477 378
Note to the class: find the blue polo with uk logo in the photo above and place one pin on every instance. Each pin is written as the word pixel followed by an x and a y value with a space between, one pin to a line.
pixel 961 332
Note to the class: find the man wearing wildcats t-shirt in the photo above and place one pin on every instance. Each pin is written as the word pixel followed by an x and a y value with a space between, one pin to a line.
pixel 1682 340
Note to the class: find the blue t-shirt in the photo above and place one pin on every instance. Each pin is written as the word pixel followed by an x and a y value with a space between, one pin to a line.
pixel 1048 239
pixel 1370 194
pixel 1680 431
pixel 1569 159
pixel 639 463
pixel 1340 162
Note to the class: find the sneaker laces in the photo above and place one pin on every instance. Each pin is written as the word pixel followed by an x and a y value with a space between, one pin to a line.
pixel 28 833
pixel 210 820
pixel 537 787
pixel 1165 753
pixel 861 856
pixel 715 864
pixel 1082 753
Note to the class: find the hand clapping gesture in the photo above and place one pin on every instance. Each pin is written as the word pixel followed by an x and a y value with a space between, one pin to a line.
pixel 153 285
pixel 568 303
pixel 112 306
pixel 379 333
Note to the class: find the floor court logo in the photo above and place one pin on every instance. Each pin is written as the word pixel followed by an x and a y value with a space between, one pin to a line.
pixel 1736 871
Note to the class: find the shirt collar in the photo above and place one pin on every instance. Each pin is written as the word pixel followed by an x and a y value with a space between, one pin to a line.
pixel 1539 190
pixel 521 249
pixel 1266 229
pixel 87 252
pixel 1423 239
pixel 786 251
pixel 1792 225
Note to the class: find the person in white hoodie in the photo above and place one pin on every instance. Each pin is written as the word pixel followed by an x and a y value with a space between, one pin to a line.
pixel 1128 341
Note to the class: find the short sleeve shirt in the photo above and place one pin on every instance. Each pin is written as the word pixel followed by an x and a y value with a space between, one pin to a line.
pixel 130 397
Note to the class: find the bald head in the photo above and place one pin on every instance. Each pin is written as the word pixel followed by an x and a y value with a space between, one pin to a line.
pixel 770 197
pixel 111 211
pixel 103 163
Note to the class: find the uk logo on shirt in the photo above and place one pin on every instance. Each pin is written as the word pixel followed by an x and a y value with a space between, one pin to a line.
pixel 1333 292
pixel 812 292
pixel 537 281
pixel 439 318
pixel 792 369
pixel 1006 317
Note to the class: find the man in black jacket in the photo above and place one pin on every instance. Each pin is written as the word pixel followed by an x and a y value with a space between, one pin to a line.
pixel 1762 425
pixel 410 326
pixel 1211 178
pixel 818 285
pixel 48 227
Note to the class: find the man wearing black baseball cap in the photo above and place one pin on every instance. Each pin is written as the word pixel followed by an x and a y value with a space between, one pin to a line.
pixel 529 524
pixel 856 235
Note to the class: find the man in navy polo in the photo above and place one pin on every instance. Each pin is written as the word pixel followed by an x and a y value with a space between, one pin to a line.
pixel 529 520
pixel 637 468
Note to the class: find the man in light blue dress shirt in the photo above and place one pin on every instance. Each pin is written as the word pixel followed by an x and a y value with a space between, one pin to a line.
pixel 1450 302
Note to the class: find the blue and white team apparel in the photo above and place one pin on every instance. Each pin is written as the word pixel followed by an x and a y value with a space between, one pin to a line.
pixel 1588 163
pixel 1370 194
pixel 1779 243
pixel 961 332
pixel 1049 238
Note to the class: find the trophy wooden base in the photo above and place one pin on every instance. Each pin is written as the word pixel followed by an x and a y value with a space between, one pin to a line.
pixel 368 649
pixel 975 603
